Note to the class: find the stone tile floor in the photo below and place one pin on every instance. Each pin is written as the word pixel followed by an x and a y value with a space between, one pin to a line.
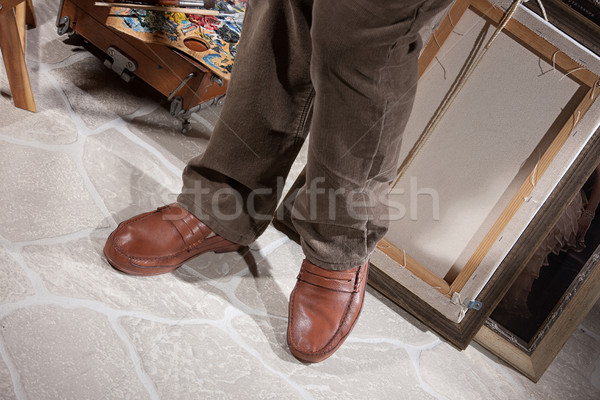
pixel 98 151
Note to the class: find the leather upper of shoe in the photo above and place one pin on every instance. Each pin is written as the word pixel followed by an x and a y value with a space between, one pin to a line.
pixel 161 241
pixel 165 232
pixel 324 307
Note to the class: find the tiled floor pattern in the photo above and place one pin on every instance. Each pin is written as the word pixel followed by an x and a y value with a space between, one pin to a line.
pixel 98 151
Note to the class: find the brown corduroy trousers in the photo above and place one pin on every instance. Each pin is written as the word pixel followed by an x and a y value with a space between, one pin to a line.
pixel 344 70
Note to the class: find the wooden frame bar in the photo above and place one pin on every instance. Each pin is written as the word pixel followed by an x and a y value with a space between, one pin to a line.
pixel 12 40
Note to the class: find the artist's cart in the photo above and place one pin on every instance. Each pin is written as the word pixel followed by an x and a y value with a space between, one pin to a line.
pixel 185 81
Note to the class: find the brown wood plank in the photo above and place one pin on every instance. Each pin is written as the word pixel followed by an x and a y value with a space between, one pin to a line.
pixel 20 17
pixel 14 61
pixel 406 261
pixel 8 5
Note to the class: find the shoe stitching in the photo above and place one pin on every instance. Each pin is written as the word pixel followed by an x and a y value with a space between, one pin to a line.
pixel 333 347
pixel 180 234
pixel 167 256
pixel 155 267
pixel 328 277
pixel 328 288
pixel 331 278
pixel 189 227
pixel 358 280
pixel 328 347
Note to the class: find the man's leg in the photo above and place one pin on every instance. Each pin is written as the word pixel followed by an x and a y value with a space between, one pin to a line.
pixel 233 186
pixel 364 71
pixel 231 191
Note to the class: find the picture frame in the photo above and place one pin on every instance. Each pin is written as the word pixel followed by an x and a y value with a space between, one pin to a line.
pixel 458 306
pixel 529 344
pixel 570 17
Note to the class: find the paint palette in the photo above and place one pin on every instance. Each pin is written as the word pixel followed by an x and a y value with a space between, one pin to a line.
pixel 212 40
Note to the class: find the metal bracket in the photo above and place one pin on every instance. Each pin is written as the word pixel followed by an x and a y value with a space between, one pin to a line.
pixel 63 26
pixel 473 305
pixel 186 125
pixel 176 106
pixel 218 80
pixel 184 115
pixel 121 64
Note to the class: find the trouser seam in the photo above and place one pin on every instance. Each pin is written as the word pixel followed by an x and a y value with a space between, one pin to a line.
pixel 298 137
pixel 304 113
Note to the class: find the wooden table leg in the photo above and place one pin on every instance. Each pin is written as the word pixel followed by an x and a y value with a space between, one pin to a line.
pixel 14 61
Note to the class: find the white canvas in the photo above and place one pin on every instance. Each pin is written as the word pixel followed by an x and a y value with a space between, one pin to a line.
pixel 485 146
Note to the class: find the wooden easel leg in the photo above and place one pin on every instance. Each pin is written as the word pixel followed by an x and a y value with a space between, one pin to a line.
pixel 30 17
pixel 25 15
pixel 14 61
pixel 20 16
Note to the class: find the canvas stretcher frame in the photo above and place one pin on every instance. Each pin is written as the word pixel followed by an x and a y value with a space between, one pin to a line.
pixel 450 308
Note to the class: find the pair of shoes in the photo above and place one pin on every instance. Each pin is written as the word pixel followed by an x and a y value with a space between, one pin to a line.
pixel 161 241
pixel 324 305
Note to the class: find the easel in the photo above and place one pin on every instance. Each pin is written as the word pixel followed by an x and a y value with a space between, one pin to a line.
pixel 14 16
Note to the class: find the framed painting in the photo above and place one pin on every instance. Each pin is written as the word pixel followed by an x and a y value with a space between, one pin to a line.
pixel 503 130
pixel 558 286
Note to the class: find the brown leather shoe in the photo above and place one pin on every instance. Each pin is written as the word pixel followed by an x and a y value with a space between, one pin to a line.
pixel 161 241
pixel 324 306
